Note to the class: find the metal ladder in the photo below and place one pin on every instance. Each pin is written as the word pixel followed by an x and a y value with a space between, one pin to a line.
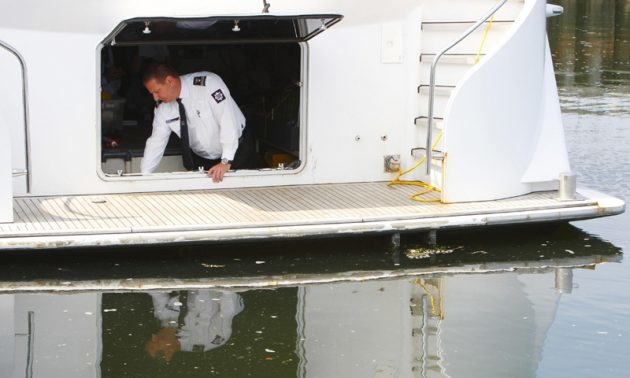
pixel 429 152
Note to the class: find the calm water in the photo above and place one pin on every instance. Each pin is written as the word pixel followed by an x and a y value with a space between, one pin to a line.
pixel 549 301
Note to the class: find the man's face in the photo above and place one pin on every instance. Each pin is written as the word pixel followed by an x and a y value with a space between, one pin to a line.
pixel 166 91
pixel 163 344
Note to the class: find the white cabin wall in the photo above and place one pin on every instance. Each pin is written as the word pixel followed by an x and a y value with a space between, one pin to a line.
pixel 61 112
pixel 351 92
pixel 353 95
pixel 412 136
pixel 6 183
pixel 356 93
pixel 12 112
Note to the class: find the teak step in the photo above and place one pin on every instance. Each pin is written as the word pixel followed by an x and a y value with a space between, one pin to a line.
pixel 421 151
pixel 438 122
pixel 438 87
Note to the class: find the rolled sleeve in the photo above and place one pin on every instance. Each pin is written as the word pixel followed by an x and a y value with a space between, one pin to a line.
pixel 155 145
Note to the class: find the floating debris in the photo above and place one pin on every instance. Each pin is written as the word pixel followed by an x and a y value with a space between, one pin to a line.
pixel 212 265
pixel 569 251
pixel 426 252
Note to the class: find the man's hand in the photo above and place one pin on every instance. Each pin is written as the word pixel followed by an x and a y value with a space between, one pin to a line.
pixel 218 171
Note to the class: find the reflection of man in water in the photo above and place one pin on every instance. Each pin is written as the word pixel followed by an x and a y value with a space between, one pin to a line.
pixel 197 321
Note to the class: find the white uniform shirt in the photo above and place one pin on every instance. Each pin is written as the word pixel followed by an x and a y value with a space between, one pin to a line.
pixel 215 123
pixel 208 319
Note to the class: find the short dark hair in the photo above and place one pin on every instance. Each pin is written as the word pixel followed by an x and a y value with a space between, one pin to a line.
pixel 159 72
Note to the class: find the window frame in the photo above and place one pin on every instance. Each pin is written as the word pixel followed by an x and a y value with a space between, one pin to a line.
pixel 303 100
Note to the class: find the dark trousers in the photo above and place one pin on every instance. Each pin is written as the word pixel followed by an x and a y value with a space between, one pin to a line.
pixel 246 156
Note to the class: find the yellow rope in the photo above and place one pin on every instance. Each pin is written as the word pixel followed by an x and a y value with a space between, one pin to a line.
pixel 428 188
pixel 483 40
pixel 434 311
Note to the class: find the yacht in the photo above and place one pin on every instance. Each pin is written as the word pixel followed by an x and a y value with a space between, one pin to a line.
pixel 410 116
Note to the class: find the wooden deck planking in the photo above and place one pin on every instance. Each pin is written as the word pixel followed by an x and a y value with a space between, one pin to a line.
pixel 247 207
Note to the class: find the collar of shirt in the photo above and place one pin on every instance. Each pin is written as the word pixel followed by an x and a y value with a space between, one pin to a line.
pixel 184 91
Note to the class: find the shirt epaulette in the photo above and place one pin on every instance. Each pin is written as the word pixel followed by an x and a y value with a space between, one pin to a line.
pixel 199 80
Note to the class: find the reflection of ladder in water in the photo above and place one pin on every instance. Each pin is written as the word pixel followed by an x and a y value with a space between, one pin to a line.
pixel 426 316
pixel 439 29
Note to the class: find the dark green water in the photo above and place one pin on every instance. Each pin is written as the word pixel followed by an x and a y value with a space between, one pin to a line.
pixel 546 301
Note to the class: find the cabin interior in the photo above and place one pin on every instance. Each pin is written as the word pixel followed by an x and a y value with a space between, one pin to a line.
pixel 262 60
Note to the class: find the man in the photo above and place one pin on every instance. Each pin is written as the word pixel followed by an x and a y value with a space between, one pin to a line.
pixel 213 123
pixel 192 321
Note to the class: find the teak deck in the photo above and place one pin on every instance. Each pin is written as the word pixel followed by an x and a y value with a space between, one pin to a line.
pixel 249 213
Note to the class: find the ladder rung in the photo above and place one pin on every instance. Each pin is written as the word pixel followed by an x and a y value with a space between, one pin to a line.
pixel 459 22
pixel 425 117
pixel 456 55
pixel 437 86
pixel 435 154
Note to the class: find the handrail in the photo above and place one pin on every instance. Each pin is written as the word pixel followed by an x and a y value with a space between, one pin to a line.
pixel 30 356
pixel 490 13
pixel 27 159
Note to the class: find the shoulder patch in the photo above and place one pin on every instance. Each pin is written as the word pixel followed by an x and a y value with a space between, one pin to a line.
pixel 199 80
pixel 218 96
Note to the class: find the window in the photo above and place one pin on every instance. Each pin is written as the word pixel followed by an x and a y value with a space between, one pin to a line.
pixel 261 60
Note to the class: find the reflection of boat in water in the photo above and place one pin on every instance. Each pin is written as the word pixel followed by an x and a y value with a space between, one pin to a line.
pixel 341 101
pixel 429 327
pixel 487 317
pixel 448 326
